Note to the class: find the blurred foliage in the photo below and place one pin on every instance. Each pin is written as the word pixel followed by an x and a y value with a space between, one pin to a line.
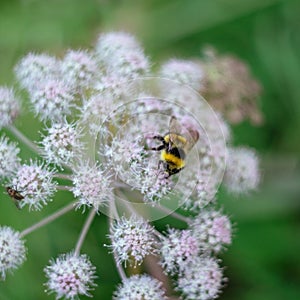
pixel 263 262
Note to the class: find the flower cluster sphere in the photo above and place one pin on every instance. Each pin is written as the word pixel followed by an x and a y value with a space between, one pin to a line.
pixel 137 144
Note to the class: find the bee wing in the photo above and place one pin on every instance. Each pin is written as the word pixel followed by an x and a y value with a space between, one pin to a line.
pixel 192 137
pixel 182 136
pixel 174 126
pixel 175 129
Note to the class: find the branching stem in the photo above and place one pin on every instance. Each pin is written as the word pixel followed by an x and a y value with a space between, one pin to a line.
pixel 113 214
pixel 173 214
pixel 84 230
pixel 48 219
pixel 24 139
pixel 63 176
pixel 63 187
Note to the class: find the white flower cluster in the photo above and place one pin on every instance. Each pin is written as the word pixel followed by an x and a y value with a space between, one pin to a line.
pixel 92 187
pixel 139 287
pixel 122 55
pixel 35 182
pixel 9 160
pixel 179 248
pixel 70 275
pixel 124 141
pixel 34 69
pixel 242 172
pixel 9 106
pixel 212 230
pixel 12 250
pixel 62 143
pixel 183 71
pixel 132 240
pixel 201 279
pixel 79 69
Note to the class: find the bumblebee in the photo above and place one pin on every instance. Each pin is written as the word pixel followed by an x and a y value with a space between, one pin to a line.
pixel 175 146
pixel 15 195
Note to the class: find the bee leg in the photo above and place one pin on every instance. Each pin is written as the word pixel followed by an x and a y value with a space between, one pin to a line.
pixel 159 137
pixel 158 148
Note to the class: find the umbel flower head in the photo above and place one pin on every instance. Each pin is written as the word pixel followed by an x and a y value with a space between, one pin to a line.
pixel 52 99
pixel 242 170
pixel 79 68
pixel 212 230
pixel 12 250
pixel 140 287
pixel 183 71
pixel 9 106
pixel 177 249
pixel 62 143
pixel 122 54
pixel 230 88
pixel 33 69
pixel 9 160
pixel 70 276
pixel 202 279
pixel 92 187
pixel 35 182
pixel 132 239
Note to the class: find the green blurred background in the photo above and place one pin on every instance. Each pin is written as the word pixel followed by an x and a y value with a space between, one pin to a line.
pixel 264 261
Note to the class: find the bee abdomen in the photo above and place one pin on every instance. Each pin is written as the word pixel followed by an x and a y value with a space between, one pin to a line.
pixel 173 159
pixel 178 152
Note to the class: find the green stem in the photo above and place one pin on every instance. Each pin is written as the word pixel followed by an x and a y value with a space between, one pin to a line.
pixel 63 176
pixel 112 214
pixel 173 214
pixel 24 139
pixel 84 230
pixel 48 219
pixel 63 187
